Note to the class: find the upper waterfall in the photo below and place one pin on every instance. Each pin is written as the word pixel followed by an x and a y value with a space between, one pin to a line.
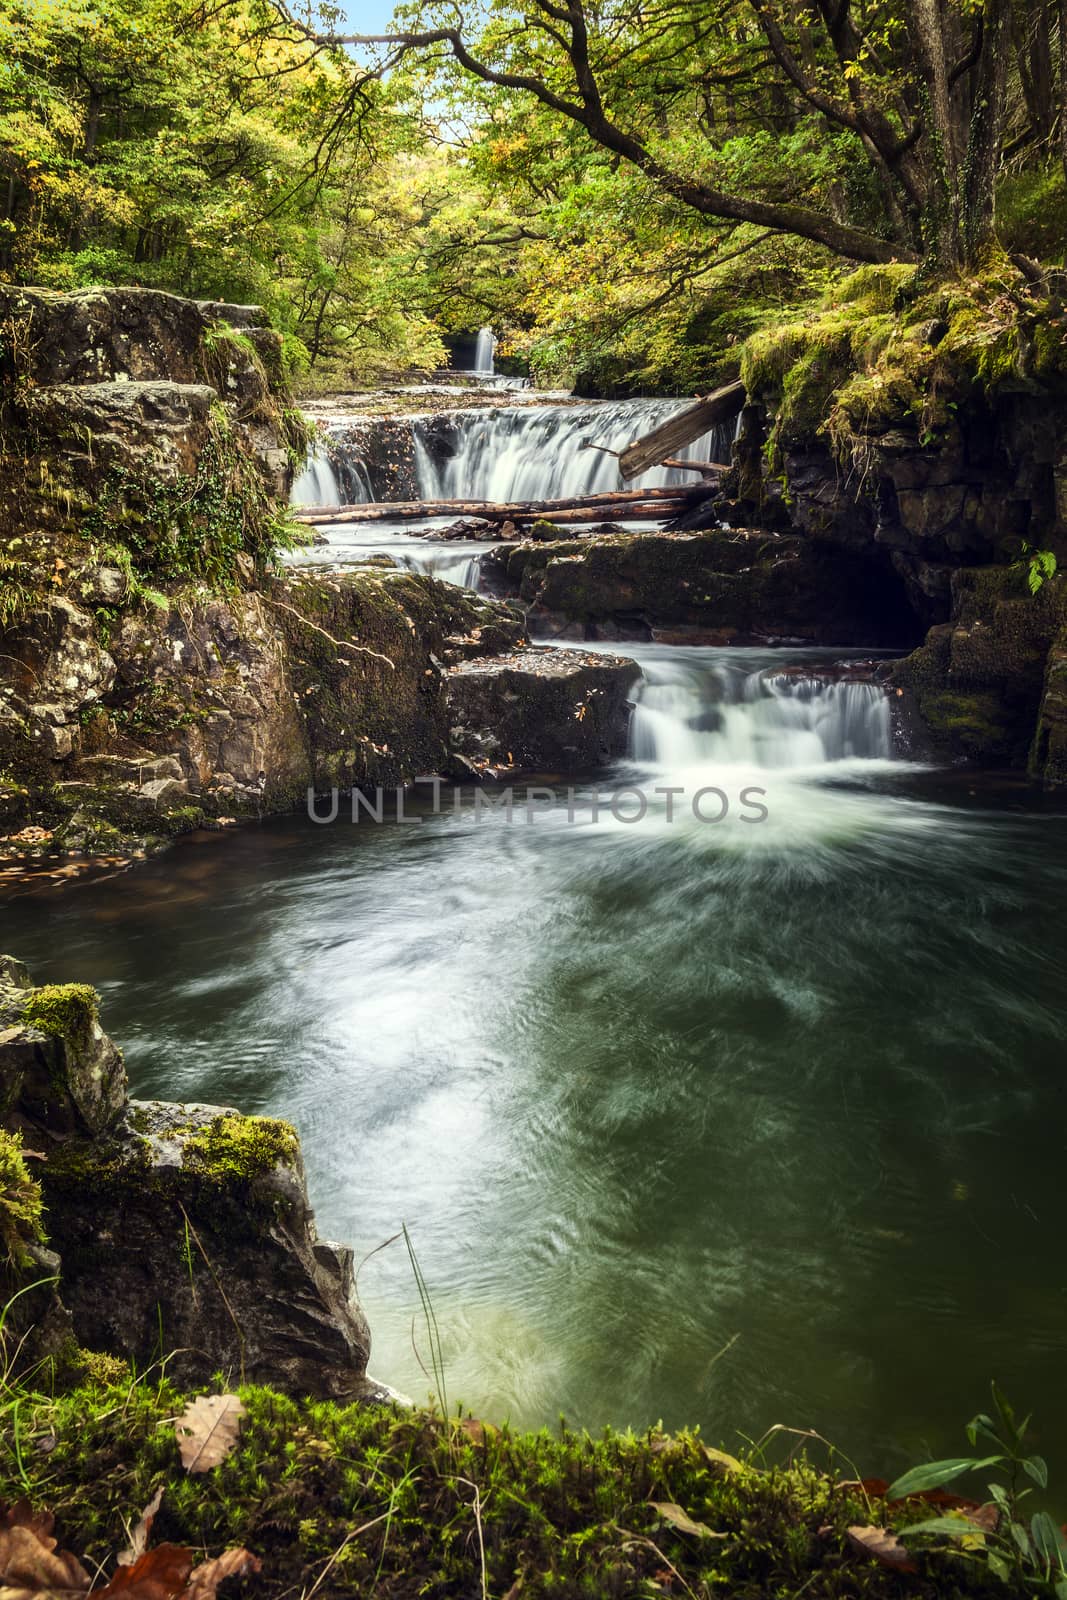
pixel 484 352
pixel 536 452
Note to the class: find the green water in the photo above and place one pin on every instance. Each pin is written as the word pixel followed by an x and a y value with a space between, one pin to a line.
pixel 719 1124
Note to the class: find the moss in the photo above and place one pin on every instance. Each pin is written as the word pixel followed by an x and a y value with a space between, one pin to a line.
pixel 884 351
pixel 235 1147
pixel 356 1500
pixel 66 1010
pixel 21 1203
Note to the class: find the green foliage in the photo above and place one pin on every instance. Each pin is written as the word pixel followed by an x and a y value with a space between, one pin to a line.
pixel 373 1500
pixel 21 1205
pixel 182 530
pixel 1040 567
pixel 1029 1553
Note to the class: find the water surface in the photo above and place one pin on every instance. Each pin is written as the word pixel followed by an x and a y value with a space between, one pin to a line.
pixel 723 1123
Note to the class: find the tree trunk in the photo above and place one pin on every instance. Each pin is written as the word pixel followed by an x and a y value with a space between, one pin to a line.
pixel 987 116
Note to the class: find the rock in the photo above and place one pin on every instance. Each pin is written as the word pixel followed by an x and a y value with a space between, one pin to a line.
pixel 538 710
pixel 105 586
pixel 747 587
pixel 59 1072
pixel 186 1222
pixel 980 679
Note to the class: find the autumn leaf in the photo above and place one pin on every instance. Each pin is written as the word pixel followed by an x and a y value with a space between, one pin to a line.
pixel 139 1537
pixel 159 1574
pixel 883 1546
pixel 29 1562
pixel 204 1583
pixel 207 1430
pixel 669 1512
pixel 720 1460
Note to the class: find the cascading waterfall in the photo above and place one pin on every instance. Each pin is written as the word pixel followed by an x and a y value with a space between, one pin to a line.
pixel 484 352
pixel 535 452
pixel 721 708
pixel 317 484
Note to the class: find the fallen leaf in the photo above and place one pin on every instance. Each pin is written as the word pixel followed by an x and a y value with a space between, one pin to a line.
pixel 207 1430
pixel 139 1537
pixel 682 1521
pixel 720 1459
pixel 29 1561
pixel 204 1583
pixel 159 1574
pixel 883 1546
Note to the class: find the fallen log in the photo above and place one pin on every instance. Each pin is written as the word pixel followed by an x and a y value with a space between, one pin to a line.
pixel 685 428
pixel 630 511
pixel 492 511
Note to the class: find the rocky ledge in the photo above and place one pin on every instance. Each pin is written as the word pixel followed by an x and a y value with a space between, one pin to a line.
pixel 716 586
pixel 173 1231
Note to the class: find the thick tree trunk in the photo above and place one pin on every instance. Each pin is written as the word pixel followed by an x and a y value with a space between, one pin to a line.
pixel 677 432
pixel 982 161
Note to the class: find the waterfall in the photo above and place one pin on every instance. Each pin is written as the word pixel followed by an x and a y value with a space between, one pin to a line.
pixel 535 452
pixel 717 707
pixel 317 484
pixel 484 352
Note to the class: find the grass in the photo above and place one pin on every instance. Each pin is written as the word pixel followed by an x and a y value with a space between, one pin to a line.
pixel 345 1500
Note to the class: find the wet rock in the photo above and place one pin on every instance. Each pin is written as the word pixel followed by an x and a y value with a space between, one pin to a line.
pixel 189 1223
pixel 538 709
pixel 745 587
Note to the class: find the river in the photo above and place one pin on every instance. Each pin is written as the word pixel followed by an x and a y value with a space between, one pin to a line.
pixel 735 1122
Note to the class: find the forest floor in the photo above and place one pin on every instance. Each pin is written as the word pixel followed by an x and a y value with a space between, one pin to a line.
pixel 319 1499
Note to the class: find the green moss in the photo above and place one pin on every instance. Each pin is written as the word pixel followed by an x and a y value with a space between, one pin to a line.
pixel 66 1010
pixel 376 1502
pixel 21 1203
pixel 235 1147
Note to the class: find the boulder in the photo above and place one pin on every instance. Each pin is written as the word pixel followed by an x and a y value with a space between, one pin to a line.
pixel 180 1231
pixel 539 709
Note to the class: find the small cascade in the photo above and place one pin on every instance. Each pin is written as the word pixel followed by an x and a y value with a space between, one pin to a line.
pixel 717 708
pixel 317 484
pixel 484 353
pixel 535 452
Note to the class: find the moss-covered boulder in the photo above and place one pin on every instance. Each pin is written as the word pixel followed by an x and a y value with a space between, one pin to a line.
pixel 60 1074
pixel 178 1231
pixel 980 679
pixel 187 1232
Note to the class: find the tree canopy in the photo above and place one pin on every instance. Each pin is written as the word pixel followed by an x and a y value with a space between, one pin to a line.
pixel 624 187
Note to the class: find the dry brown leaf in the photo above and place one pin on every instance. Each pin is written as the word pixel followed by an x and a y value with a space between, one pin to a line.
pixel 139 1537
pixel 883 1546
pixel 29 1561
pixel 682 1520
pixel 204 1583
pixel 159 1574
pixel 207 1430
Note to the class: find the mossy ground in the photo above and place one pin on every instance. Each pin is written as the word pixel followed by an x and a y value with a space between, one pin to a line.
pixel 360 1501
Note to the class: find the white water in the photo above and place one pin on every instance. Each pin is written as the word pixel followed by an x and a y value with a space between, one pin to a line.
pixel 484 353
pixel 317 485
pixel 535 452
pixel 717 707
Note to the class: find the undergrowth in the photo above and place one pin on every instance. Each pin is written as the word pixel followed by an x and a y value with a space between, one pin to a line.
pixel 347 1500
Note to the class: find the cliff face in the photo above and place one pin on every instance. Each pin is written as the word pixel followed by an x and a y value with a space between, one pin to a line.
pixel 924 431
pixel 157 668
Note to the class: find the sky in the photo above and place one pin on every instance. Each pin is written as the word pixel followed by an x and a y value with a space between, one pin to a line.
pixel 369 16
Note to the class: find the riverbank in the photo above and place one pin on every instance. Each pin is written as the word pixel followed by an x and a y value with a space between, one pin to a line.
pixel 336 1501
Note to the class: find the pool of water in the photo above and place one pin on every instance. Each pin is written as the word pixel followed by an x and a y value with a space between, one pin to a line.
pixel 725 1122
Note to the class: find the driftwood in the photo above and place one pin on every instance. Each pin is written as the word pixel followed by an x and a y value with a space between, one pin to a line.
pixel 710 471
pixel 677 432
pixel 615 504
